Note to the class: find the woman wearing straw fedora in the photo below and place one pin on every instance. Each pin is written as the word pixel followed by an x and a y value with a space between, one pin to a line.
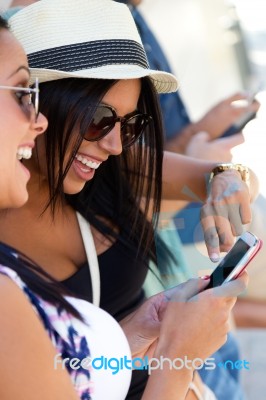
pixel 30 366
pixel 28 358
pixel 102 162
pixel 28 296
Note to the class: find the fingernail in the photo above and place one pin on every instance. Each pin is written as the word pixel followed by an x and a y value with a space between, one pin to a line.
pixel 214 257
pixel 205 277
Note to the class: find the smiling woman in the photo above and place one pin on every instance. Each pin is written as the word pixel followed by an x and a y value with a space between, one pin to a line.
pixel 26 291
pixel 99 94
pixel 19 123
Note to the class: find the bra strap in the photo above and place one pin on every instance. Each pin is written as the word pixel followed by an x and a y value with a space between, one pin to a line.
pixel 92 258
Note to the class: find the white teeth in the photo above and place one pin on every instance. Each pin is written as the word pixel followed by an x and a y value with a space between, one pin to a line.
pixel 85 161
pixel 24 152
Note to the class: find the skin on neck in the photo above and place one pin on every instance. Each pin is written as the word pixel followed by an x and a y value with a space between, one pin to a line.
pixel 135 2
pixel 16 3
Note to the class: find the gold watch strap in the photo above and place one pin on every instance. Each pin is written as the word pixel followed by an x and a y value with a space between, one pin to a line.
pixel 242 169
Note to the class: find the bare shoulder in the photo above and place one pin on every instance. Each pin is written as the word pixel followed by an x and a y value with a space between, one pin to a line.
pixel 14 305
pixel 27 353
pixel 12 300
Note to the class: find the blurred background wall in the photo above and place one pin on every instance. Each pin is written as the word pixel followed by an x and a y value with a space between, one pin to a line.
pixel 206 48
pixel 217 47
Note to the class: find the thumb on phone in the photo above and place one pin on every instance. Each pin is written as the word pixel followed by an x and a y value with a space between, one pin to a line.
pixel 187 290
pixel 232 288
pixel 232 141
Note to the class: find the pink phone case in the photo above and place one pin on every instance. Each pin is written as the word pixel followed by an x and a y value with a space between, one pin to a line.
pixel 259 246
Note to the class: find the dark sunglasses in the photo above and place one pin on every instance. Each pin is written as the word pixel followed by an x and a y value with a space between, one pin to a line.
pixel 105 118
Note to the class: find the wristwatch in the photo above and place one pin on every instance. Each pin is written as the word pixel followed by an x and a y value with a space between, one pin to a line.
pixel 242 169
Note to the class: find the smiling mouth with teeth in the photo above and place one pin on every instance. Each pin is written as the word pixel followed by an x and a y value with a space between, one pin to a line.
pixel 88 163
pixel 24 152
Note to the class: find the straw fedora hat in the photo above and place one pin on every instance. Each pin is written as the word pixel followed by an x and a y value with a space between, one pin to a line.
pixel 84 39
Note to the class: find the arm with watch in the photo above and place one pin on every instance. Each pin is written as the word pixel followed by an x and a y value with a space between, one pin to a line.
pixel 226 191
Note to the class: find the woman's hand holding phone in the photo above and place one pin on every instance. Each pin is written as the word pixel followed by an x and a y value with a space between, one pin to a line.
pixel 196 321
pixel 202 315
pixel 226 114
pixel 185 322
pixel 250 113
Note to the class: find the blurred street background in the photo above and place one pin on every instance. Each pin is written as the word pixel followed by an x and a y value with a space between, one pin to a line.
pixel 217 47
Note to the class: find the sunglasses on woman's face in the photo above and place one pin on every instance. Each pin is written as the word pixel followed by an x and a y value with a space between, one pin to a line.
pixel 105 118
pixel 28 98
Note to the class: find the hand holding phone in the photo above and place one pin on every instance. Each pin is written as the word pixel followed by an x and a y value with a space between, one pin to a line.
pixel 236 260
pixel 241 122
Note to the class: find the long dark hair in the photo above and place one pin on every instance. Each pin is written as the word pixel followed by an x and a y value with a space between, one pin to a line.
pixel 34 276
pixel 123 183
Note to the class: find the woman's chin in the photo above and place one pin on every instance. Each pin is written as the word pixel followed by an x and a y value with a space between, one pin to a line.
pixel 73 188
pixel 19 199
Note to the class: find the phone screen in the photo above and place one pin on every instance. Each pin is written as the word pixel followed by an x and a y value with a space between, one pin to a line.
pixel 228 263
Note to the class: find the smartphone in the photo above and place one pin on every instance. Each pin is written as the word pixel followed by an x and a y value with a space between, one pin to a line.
pixel 242 121
pixel 236 260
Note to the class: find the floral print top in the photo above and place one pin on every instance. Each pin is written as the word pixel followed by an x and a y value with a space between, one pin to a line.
pixel 62 330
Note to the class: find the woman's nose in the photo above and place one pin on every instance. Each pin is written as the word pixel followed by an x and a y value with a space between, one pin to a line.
pixel 112 142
